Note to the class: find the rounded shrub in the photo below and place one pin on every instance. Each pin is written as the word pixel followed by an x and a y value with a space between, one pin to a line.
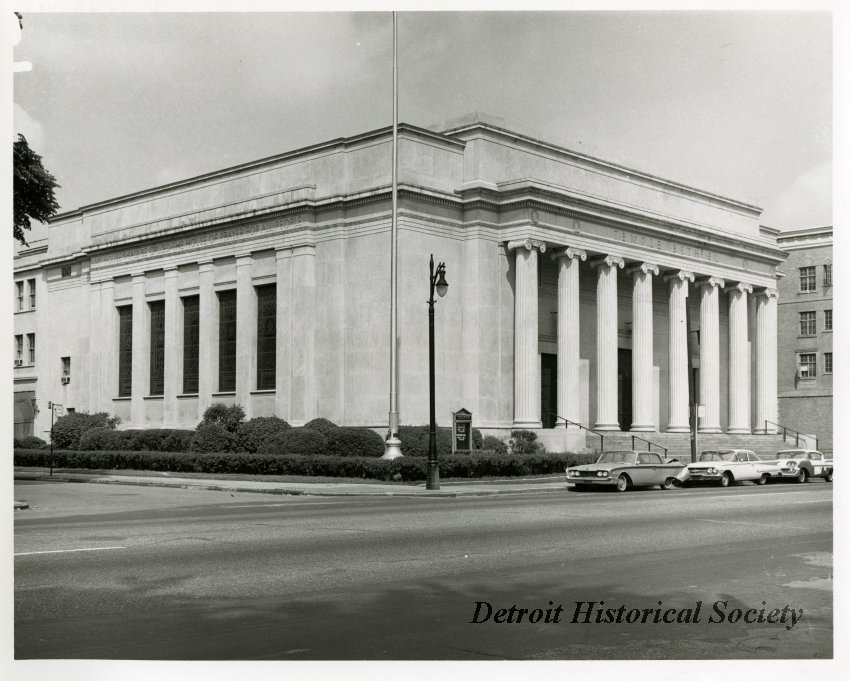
pixel 302 441
pixel 29 442
pixel 212 437
pixel 228 416
pixel 324 426
pixel 253 433
pixel 68 429
pixel 354 442
pixel 525 442
pixel 495 444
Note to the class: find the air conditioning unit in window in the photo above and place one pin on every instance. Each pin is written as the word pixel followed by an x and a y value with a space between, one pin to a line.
pixel 19 362
pixel 66 380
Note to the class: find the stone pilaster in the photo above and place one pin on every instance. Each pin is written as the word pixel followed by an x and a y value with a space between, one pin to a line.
pixel 303 396
pixel 283 334
pixel 739 360
pixel 526 354
pixel 766 358
pixel 568 336
pixel 606 342
pixel 679 362
pixel 246 333
pixel 709 353
pixel 643 420
pixel 208 336
pixel 96 353
pixel 173 357
pixel 109 360
pixel 141 352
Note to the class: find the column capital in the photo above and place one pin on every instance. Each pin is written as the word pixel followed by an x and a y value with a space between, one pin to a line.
pixel 609 261
pixel 645 267
pixel 740 286
pixel 244 259
pixel 681 275
pixel 205 266
pixel 282 252
pixel 570 253
pixel 767 293
pixel 137 278
pixel 527 244
pixel 170 271
pixel 711 281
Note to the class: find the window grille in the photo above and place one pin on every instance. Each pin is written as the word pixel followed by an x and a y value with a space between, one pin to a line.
pixel 266 336
pixel 125 351
pixel 191 336
pixel 227 341
pixel 157 348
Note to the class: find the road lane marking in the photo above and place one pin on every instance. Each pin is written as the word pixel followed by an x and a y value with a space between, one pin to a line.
pixel 744 522
pixel 814 501
pixel 100 548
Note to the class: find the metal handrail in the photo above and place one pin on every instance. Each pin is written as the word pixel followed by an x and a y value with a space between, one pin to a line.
pixel 785 430
pixel 589 430
pixel 651 445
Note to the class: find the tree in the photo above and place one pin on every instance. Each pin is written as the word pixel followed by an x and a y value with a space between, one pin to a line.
pixel 33 189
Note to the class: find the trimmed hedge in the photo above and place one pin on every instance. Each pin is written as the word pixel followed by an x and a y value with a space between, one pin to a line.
pixel 212 437
pixel 29 442
pixel 414 440
pixel 324 426
pixel 354 442
pixel 253 433
pixel 150 439
pixel 478 464
pixel 300 441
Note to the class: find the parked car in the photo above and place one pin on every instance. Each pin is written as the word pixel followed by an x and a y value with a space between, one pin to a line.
pixel 802 464
pixel 624 469
pixel 725 466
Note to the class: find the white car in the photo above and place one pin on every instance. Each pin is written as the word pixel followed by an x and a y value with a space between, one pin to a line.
pixel 725 466
pixel 802 464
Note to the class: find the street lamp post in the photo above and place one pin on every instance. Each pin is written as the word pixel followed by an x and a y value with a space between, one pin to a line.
pixel 438 282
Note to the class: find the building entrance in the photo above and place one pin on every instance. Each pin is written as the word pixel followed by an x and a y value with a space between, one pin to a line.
pixel 624 388
pixel 549 389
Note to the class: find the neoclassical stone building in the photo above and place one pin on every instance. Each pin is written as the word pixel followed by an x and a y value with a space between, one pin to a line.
pixel 268 284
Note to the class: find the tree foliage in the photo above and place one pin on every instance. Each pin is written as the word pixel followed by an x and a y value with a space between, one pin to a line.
pixel 33 189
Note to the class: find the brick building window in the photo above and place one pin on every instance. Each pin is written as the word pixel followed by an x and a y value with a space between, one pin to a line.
pixel 807 278
pixel 19 285
pixel 191 337
pixel 227 341
pixel 807 361
pixel 827 320
pixel 827 362
pixel 157 348
pixel 266 336
pixel 19 349
pixel 31 285
pixel 808 323
pixel 31 347
pixel 125 351
pixel 827 275
pixel 66 367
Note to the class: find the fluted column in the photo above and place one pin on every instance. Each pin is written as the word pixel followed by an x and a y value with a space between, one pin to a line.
pixel 679 362
pixel 173 369
pixel 526 355
pixel 141 352
pixel 246 333
pixel 709 354
pixel 568 336
pixel 208 335
pixel 766 398
pixel 739 360
pixel 606 342
pixel 643 419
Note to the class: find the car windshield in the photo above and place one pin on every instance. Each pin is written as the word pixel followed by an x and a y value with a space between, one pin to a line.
pixel 793 454
pixel 719 455
pixel 617 457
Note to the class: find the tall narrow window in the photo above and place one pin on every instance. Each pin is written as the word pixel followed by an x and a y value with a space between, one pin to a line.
pixel 31 284
pixel 266 336
pixel 31 344
pixel 808 323
pixel 125 351
pixel 827 320
pixel 157 386
pixel 66 367
pixel 827 362
pixel 227 341
pixel 807 361
pixel 19 349
pixel 19 285
pixel 807 278
pixel 191 336
pixel 827 275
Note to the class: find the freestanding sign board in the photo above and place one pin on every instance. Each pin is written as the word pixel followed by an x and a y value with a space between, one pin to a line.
pixel 461 431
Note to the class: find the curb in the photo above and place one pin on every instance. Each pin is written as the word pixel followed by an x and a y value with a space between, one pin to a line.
pixel 283 491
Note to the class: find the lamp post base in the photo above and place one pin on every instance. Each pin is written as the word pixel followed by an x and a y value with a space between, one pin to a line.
pixel 433 480
pixel 393 450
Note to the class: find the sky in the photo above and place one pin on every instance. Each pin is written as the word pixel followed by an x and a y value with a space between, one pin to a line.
pixel 735 103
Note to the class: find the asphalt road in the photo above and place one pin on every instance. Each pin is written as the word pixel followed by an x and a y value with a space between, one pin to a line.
pixel 144 573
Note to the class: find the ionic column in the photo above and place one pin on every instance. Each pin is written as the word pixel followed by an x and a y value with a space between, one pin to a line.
pixel 141 351
pixel 246 333
pixel 568 336
pixel 642 390
pixel 526 355
pixel 208 335
pixel 739 360
pixel 679 363
pixel 709 354
pixel 766 399
pixel 173 370
pixel 606 342
pixel 283 334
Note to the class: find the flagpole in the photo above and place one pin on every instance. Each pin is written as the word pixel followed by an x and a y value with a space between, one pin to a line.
pixel 393 443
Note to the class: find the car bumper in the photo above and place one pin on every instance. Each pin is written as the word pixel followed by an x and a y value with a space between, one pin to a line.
pixel 592 481
pixel 700 476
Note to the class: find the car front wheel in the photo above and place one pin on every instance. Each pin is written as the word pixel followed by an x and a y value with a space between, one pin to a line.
pixel 622 483
pixel 726 479
pixel 763 479
pixel 802 476
pixel 667 484
pixel 828 477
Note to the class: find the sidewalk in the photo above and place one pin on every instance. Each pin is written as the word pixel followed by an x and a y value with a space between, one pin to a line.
pixel 466 488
